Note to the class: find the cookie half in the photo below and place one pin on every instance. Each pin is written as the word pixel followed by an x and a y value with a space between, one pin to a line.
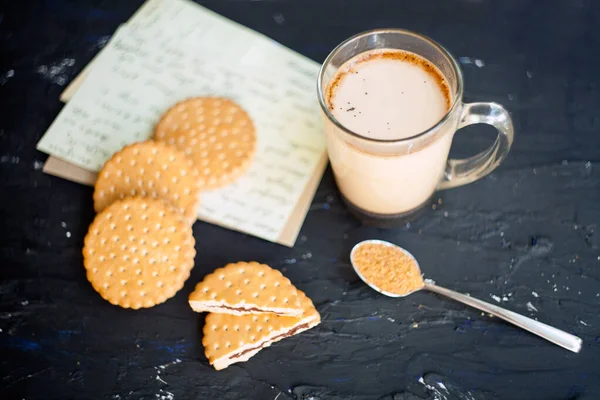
pixel 230 339
pixel 246 288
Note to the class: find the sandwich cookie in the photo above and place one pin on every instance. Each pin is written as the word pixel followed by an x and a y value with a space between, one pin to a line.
pixel 246 288
pixel 230 339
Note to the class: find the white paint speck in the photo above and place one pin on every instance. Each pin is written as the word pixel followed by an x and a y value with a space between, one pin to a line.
pixel 68 234
pixel 176 361
pixel 529 74
pixel 24 303
pixel 159 369
pixel 307 255
pixel 63 224
pixel 531 307
pixel 9 160
pixel 37 165
pixel 504 298
pixel 446 214
pixel 102 41
pixel 583 323
pixel 437 395
pixel 9 74
pixel 510 97
pixel 497 298
pixel 57 73
pixel 290 261
pixel 469 61
pixel 534 294
pixel 391 319
pixel 279 18
pixel 164 395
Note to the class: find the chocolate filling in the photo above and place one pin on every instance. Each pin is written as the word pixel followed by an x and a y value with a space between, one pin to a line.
pixel 289 333
pixel 249 309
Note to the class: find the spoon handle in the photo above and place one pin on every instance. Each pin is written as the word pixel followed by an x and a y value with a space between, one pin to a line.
pixel 556 336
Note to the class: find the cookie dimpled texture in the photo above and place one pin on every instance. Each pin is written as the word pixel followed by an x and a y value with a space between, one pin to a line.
pixel 138 252
pixel 216 133
pixel 246 288
pixel 152 170
pixel 230 339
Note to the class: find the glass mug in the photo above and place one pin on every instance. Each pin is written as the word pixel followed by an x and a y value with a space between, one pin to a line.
pixel 388 181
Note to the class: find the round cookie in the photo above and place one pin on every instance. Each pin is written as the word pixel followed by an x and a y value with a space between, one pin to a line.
pixel 138 252
pixel 216 133
pixel 149 169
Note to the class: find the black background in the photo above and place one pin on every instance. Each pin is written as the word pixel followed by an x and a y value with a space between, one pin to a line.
pixel 527 229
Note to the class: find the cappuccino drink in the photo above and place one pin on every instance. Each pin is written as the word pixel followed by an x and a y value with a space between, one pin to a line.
pixel 382 98
pixel 391 102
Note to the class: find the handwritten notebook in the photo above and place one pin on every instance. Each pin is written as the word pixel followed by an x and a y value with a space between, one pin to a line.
pixel 174 49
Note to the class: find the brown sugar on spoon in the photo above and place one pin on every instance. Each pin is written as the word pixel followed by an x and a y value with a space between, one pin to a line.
pixel 216 133
pixel 388 268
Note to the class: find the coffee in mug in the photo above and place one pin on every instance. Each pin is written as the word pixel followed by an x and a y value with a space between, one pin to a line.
pixel 392 102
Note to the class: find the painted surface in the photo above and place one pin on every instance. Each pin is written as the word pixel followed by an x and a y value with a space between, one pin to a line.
pixel 524 237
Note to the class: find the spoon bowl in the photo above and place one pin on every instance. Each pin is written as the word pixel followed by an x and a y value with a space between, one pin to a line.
pixel 554 335
pixel 373 286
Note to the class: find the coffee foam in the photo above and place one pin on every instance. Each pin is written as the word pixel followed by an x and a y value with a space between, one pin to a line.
pixel 388 54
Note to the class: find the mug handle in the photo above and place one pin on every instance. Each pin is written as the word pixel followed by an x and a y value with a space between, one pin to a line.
pixel 464 171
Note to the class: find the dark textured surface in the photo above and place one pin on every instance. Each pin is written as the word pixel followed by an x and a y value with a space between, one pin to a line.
pixel 525 234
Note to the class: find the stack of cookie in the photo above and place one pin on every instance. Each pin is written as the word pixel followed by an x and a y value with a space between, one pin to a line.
pixel 250 307
pixel 140 248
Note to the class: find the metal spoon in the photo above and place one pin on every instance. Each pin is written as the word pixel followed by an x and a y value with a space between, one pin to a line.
pixel 556 336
